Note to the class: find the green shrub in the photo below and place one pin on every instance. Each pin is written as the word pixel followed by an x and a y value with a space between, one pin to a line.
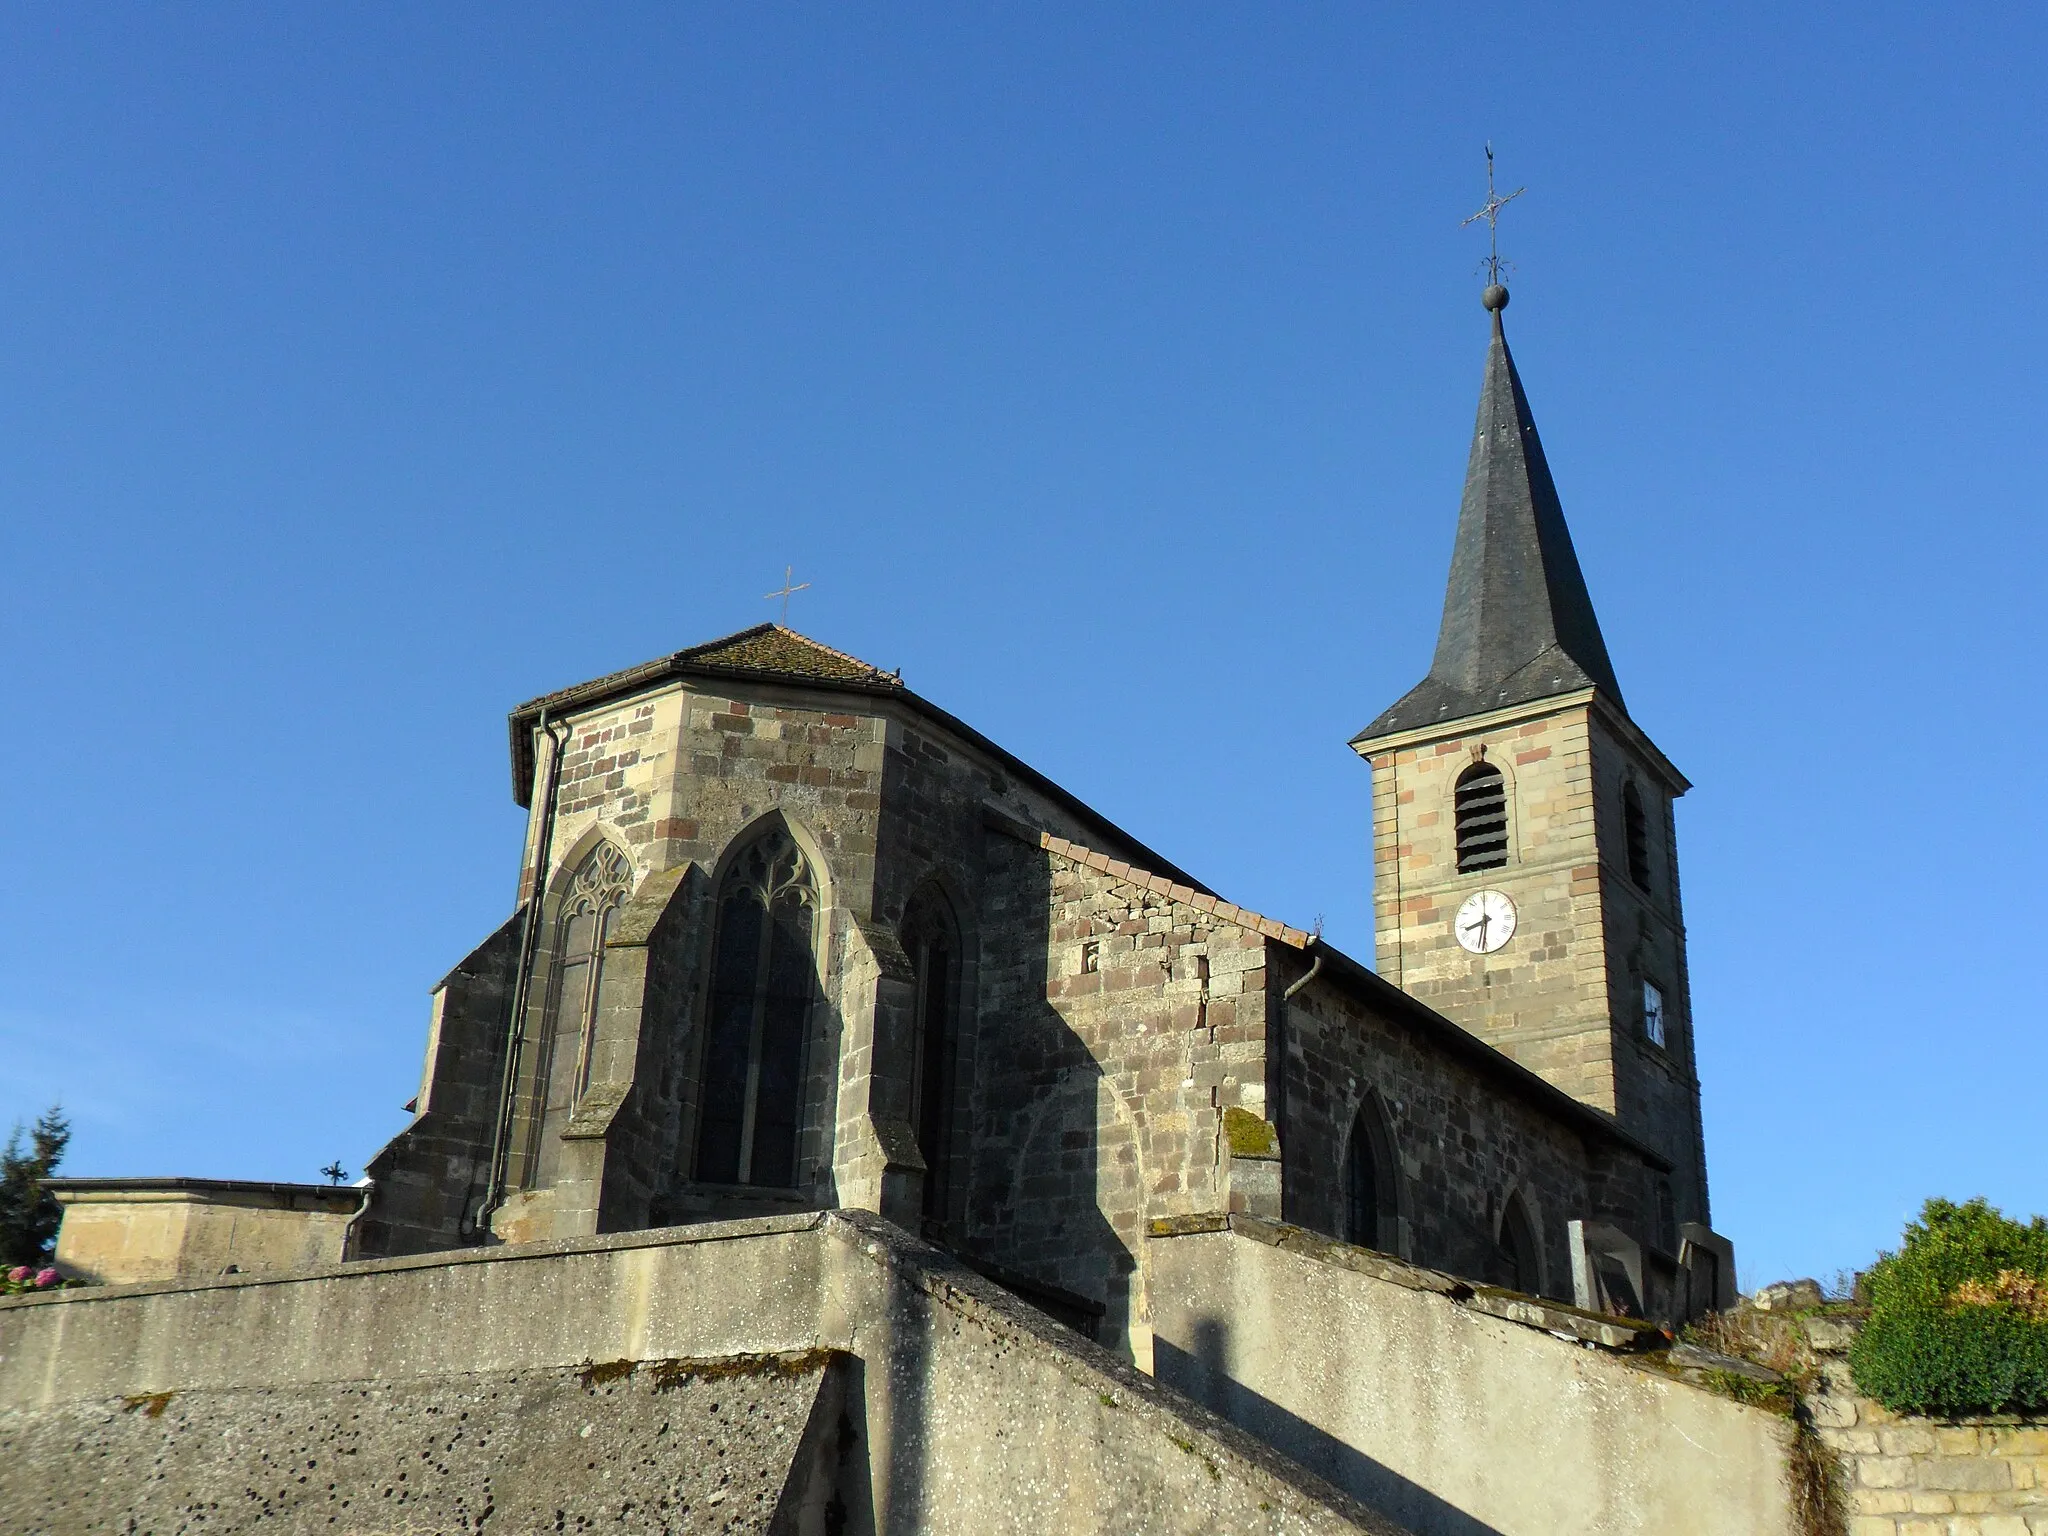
pixel 1959 1316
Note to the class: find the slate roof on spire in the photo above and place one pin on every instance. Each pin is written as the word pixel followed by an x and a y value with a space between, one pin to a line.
pixel 1518 622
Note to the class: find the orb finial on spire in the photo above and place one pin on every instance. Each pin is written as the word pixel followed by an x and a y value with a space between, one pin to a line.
pixel 1495 297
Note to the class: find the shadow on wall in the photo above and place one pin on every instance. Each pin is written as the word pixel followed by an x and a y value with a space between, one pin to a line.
pixel 1057 1153
pixel 1204 1376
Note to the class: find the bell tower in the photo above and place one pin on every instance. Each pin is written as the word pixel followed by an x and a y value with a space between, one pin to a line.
pixel 1524 849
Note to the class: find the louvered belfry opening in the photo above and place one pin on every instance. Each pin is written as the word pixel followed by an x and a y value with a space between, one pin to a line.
pixel 1636 834
pixel 1482 800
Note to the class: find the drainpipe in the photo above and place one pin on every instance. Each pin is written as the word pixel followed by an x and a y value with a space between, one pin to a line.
pixel 529 944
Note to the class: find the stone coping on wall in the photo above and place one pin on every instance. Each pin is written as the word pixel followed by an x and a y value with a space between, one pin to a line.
pixel 495 1253
pixel 1618 1335
pixel 853 1313
pixel 136 1191
pixel 1145 880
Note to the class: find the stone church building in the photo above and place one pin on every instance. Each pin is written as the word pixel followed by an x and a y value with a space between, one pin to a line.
pixel 802 940
pixel 849 1131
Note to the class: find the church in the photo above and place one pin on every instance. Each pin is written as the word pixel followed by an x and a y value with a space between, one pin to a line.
pixel 791 937
pixel 848 1129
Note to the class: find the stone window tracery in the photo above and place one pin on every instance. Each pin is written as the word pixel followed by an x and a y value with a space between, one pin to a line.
pixel 583 925
pixel 763 983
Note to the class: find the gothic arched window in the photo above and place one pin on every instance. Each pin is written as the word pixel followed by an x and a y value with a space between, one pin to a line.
pixel 583 923
pixel 1520 1268
pixel 1635 830
pixel 763 980
pixel 1482 818
pixel 1369 1204
pixel 932 940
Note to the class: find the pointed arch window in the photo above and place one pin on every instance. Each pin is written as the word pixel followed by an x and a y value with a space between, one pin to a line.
pixel 1635 830
pixel 932 940
pixel 568 1039
pixel 1481 801
pixel 763 983
pixel 1369 1204
pixel 1519 1262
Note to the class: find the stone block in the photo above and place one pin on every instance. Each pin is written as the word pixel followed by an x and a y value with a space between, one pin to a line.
pixel 1910 1440
pixel 1831 1412
pixel 1879 1501
pixel 1885 1472
pixel 2003 1525
pixel 1978 1475
pixel 1872 1525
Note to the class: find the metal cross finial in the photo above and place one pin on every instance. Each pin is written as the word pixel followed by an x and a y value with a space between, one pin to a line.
pixel 1491 213
pixel 784 591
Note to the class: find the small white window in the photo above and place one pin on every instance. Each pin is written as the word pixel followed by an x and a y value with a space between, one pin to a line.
pixel 1653 1012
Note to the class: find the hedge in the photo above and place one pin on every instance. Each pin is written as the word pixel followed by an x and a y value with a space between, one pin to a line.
pixel 1958 1316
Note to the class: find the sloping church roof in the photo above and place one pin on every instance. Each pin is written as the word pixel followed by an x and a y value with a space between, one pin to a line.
pixel 1518 623
pixel 773 653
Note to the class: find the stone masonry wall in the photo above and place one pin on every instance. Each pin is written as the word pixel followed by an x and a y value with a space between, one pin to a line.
pixel 1657 1091
pixel 1464 1146
pixel 1542 999
pixel 675 776
pixel 1908 1476
pixel 1563 997
pixel 1116 1025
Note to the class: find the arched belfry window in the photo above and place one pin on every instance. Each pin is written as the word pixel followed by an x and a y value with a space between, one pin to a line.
pixel 1482 818
pixel 932 940
pixel 763 982
pixel 1369 1204
pixel 1635 835
pixel 582 925
pixel 1520 1267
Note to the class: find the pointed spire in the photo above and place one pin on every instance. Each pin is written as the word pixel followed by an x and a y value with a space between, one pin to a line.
pixel 1518 622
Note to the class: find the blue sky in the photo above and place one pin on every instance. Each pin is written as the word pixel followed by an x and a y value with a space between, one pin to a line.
pixel 367 370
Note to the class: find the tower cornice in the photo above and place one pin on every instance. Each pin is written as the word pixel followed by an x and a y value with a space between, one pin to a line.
pixel 1610 713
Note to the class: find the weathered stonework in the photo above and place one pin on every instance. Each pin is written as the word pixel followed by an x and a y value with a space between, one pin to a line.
pixel 1564 997
pixel 1107 1013
pixel 1903 1475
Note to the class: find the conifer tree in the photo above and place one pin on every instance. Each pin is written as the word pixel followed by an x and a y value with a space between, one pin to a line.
pixel 29 1213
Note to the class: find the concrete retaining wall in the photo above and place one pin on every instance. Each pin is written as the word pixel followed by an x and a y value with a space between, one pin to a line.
pixel 1413 1393
pixel 606 1378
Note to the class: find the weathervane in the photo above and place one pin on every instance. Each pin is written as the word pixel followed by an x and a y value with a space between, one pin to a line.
pixel 784 591
pixel 1491 213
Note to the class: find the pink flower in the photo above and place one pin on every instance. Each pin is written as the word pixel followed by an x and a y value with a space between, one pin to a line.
pixel 46 1277
pixel 19 1273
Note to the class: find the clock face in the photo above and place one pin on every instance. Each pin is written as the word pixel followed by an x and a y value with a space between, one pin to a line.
pixel 1486 922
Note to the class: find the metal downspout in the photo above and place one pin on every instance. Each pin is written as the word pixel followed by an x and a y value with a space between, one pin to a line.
pixel 529 945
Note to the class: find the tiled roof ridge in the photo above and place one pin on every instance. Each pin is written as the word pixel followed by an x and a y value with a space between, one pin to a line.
pixel 1173 890
pixel 696 652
